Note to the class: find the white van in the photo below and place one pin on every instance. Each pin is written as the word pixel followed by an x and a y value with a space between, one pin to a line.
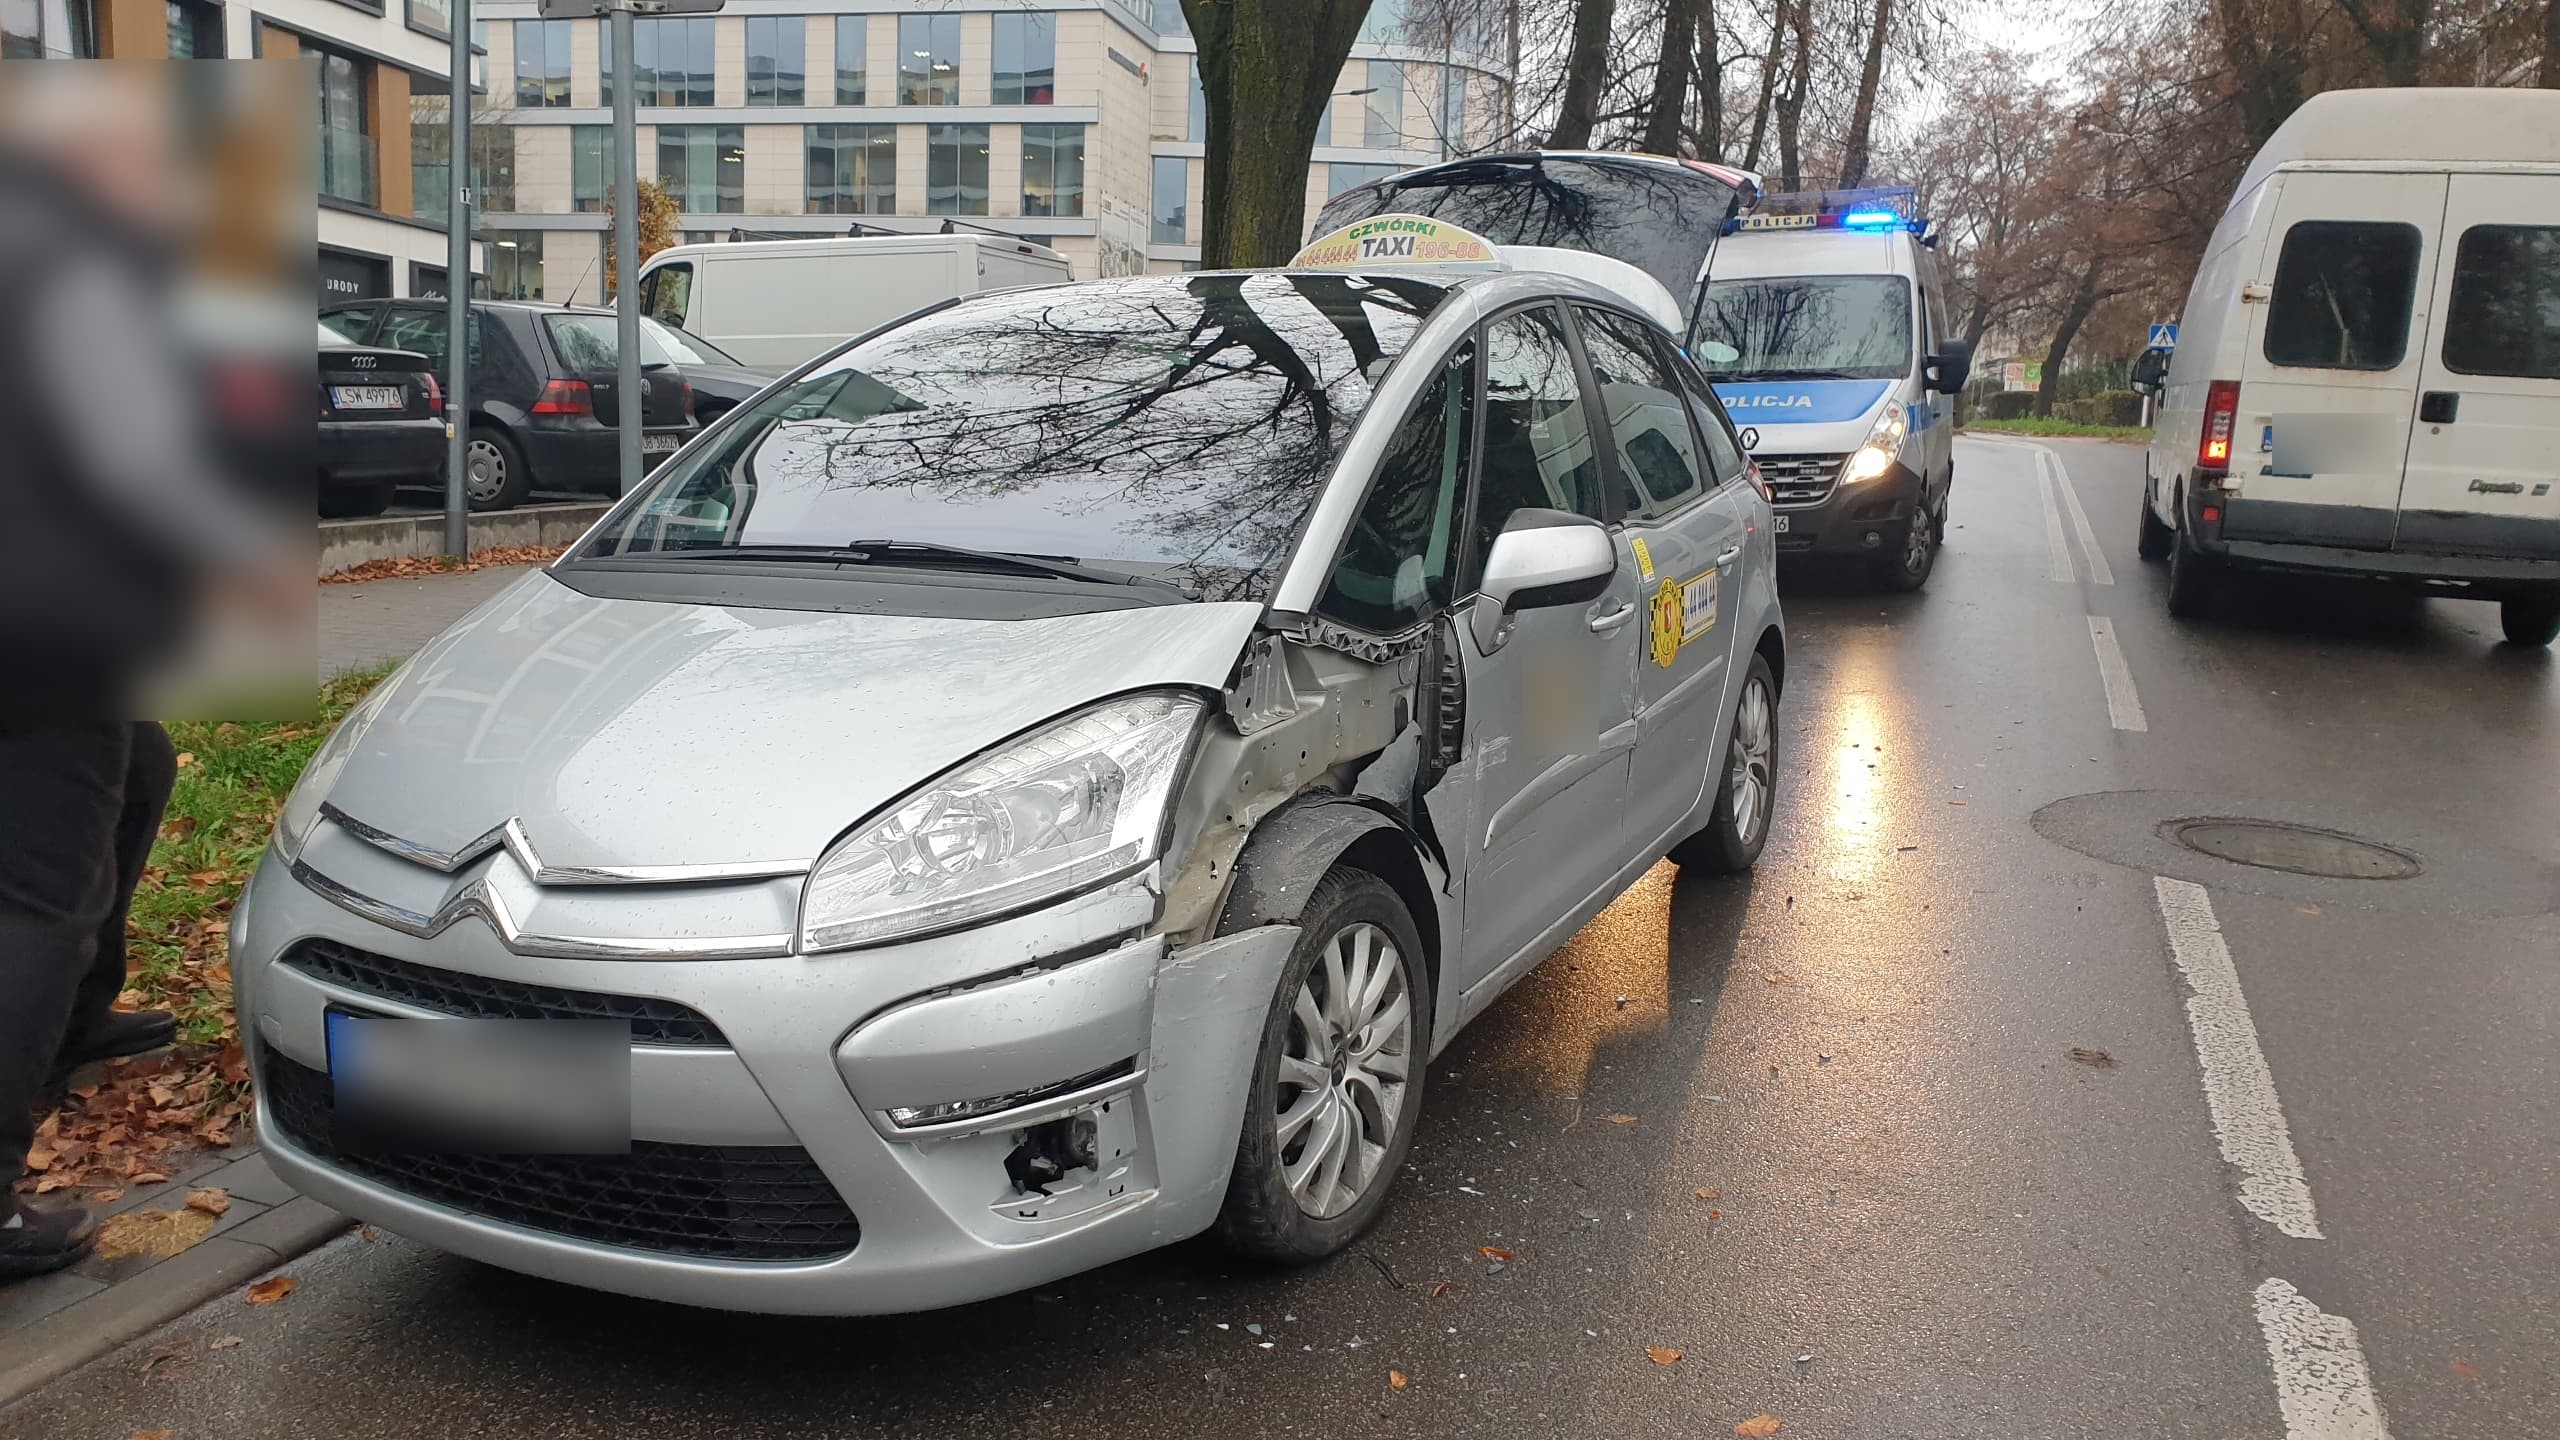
pixel 2367 376
pixel 775 303
pixel 1824 330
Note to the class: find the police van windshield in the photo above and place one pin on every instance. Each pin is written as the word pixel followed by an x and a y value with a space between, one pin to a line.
pixel 1806 327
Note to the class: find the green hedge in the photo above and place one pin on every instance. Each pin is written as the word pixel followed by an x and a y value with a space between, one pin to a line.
pixel 2008 404
pixel 2108 407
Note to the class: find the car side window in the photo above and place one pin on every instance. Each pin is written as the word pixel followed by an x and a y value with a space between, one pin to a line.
pixel 1658 469
pixel 1537 433
pixel 2342 295
pixel 1725 460
pixel 664 293
pixel 1396 567
pixel 426 332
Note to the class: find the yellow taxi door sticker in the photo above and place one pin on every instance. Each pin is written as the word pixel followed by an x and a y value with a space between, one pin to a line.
pixel 1667 618
pixel 1644 560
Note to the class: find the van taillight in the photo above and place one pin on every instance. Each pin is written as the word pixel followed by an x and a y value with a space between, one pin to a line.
pixel 566 397
pixel 435 392
pixel 2221 418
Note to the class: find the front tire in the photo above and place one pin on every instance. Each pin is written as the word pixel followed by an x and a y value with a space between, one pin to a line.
pixel 1337 1088
pixel 1745 798
pixel 2151 538
pixel 1908 569
pixel 2531 619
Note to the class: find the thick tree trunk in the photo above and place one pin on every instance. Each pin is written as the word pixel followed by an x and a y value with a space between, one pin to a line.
pixel 1853 156
pixel 1977 323
pixel 1790 105
pixel 1711 83
pixel 2396 32
pixel 1671 79
pixel 1586 71
pixel 1273 62
pixel 2551 44
pixel 1768 95
pixel 2083 300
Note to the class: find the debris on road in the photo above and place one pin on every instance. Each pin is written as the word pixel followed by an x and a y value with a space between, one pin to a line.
pixel 1759 1426
pixel 2094 1059
pixel 1662 1354
pixel 211 1199
pixel 270 1290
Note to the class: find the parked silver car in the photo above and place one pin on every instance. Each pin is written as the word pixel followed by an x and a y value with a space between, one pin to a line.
pixel 1034 786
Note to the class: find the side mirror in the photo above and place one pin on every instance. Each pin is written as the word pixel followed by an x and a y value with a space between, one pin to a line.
pixel 1542 558
pixel 1950 367
pixel 2149 370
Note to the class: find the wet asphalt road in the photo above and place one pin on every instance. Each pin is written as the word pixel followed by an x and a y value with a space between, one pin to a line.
pixel 1927 1219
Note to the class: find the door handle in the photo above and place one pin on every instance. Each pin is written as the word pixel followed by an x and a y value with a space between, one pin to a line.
pixel 1729 556
pixel 1603 624
pixel 2438 407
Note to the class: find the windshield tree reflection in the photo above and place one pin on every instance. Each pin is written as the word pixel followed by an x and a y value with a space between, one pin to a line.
pixel 1833 327
pixel 1176 426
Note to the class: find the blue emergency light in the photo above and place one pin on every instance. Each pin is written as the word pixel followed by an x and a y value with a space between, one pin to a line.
pixel 1878 210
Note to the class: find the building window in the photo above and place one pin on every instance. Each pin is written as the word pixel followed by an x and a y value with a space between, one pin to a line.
pixel 430 150
pixel 1053 170
pixel 955 169
pixel 542 64
pixel 433 16
pixel 853 59
pixel 48 30
pixel 346 149
pixel 195 30
pixel 1198 126
pixel 1340 176
pixel 1172 215
pixel 1383 128
pixel 590 168
pixel 493 168
pixel 1026 59
pixel 671 61
pixel 777 59
pixel 853 170
pixel 704 167
pixel 515 264
pixel 1453 109
pixel 929 60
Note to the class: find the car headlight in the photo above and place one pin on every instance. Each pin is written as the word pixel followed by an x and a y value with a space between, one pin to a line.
pixel 1071 805
pixel 301 813
pixel 1883 447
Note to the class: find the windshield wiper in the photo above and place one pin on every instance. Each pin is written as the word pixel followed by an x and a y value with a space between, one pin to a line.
pixel 925 554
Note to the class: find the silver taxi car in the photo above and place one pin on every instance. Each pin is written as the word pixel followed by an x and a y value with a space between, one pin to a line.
pixel 1038 783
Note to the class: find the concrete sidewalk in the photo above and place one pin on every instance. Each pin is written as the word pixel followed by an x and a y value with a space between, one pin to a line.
pixel 381 622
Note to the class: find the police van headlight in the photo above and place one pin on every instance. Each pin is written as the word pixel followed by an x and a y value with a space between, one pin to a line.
pixel 1883 447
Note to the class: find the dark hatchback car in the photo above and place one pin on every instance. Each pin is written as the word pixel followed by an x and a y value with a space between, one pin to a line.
pixel 543 391
pixel 721 381
pixel 381 425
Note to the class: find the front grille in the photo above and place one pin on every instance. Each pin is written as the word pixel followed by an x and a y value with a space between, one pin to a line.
pixel 477 997
pixel 714 1202
pixel 1799 481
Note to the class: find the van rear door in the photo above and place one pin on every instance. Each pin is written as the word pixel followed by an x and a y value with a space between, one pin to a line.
pixel 2484 457
pixel 2331 371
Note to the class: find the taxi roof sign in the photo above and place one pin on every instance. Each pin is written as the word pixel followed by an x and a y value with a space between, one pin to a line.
pixel 1398 241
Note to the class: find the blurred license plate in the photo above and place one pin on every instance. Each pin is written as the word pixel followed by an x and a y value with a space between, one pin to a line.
pixel 660 444
pixel 490 1087
pixel 1778 524
pixel 368 397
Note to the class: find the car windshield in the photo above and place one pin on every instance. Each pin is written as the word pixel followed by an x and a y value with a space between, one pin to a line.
pixel 589 342
pixel 683 346
pixel 1661 218
pixel 1824 327
pixel 1174 426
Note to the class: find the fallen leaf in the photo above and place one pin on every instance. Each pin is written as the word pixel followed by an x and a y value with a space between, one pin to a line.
pixel 1443 1287
pixel 1662 1354
pixel 271 1290
pixel 227 1342
pixel 40 1157
pixel 1709 1194
pixel 148 1177
pixel 169 1357
pixel 1495 1253
pixel 1957 803
pixel 2463 1369
pixel 1622 1119
pixel 1758 1426
pixel 1777 977
pixel 212 1200
pixel 1715 1214
pixel 2306 909
pixel 2094 1059
pixel 1395 1380
pixel 365 1233
pixel 106 1197
pixel 153 1434
pixel 186 758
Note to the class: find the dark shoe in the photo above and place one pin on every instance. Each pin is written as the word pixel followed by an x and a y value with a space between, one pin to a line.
pixel 123 1032
pixel 38 1242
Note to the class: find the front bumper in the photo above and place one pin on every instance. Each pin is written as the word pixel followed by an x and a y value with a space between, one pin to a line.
pixel 1870 517
pixel 803 1060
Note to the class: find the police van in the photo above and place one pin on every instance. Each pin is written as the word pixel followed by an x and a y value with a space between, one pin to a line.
pixel 1823 329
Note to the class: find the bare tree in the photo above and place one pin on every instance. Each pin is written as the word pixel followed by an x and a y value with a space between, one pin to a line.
pixel 1671 75
pixel 1267 70
pixel 1586 75
pixel 1862 118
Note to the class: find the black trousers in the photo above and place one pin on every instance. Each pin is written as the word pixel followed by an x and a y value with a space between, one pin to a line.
pixel 80 804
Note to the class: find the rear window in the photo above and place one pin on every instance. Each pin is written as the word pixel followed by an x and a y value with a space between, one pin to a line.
pixel 2342 295
pixel 2506 302
pixel 590 342
pixel 1176 426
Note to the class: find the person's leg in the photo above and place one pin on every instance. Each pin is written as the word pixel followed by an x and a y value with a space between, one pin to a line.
pixel 61 792
pixel 95 1031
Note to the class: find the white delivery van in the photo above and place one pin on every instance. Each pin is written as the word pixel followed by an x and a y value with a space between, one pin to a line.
pixel 1824 330
pixel 775 303
pixel 2367 375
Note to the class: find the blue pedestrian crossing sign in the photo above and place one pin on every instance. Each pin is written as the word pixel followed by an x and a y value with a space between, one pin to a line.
pixel 2164 337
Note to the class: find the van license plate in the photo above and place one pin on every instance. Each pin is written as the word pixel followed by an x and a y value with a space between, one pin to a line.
pixel 659 444
pixel 1777 524
pixel 456 1086
pixel 368 397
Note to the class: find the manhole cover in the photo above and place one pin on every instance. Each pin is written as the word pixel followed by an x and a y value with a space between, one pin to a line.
pixel 2300 849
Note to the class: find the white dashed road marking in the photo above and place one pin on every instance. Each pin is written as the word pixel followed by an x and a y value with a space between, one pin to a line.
pixel 2057 551
pixel 2322 1385
pixel 2124 708
pixel 2099 574
pixel 2238 1089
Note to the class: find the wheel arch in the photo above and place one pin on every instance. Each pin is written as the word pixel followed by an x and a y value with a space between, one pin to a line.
pixel 1772 647
pixel 1297 845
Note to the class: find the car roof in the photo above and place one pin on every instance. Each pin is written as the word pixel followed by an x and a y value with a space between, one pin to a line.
pixel 2443 126
pixel 1761 254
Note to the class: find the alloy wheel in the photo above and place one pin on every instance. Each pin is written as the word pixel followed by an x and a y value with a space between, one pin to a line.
pixel 1747 764
pixel 1343 1068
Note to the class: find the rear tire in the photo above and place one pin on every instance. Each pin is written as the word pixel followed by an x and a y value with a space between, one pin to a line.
pixel 495 475
pixel 1351 913
pixel 2152 538
pixel 1735 833
pixel 1907 568
pixel 2531 619
pixel 2195 579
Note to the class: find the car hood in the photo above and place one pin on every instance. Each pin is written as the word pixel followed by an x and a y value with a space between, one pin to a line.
pixel 647 733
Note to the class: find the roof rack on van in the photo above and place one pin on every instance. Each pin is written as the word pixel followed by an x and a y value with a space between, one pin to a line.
pixel 1880 209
